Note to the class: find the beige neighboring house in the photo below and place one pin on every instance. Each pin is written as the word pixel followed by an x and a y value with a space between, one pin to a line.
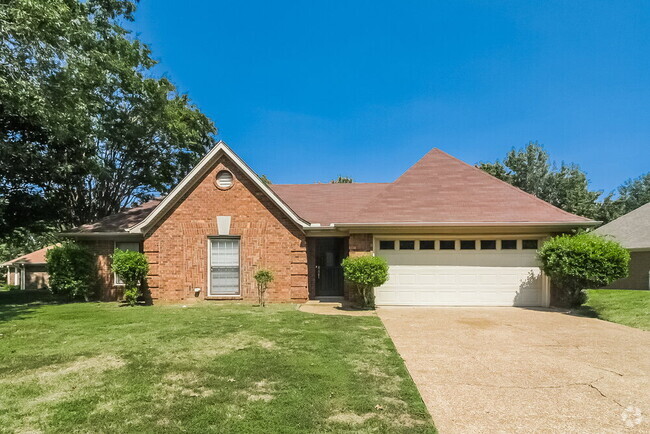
pixel 633 232
pixel 28 271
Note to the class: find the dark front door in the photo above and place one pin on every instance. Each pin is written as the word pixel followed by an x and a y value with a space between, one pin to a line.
pixel 329 273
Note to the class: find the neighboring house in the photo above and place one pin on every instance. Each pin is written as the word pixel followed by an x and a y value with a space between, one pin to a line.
pixel 28 271
pixel 633 232
pixel 452 235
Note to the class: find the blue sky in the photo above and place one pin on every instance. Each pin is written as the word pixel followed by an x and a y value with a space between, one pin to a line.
pixel 307 90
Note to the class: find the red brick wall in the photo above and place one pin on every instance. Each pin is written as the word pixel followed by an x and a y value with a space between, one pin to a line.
pixel 360 244
pixel 103 249
pixel 177 245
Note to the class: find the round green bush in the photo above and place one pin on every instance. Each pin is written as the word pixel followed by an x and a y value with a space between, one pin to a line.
pixel 578 262
pixel 365 273
pixel 72 270
pixel 132 268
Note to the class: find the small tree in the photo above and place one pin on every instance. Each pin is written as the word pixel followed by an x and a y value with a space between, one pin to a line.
pixel 365 273
pixel 72 270
pixel 578 262
pixel 263 277
pixel 132 268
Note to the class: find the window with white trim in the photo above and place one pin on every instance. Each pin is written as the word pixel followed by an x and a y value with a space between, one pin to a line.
pixel 224 266
pixel 129 247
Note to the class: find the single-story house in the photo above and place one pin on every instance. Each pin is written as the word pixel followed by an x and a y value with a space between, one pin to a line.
pixel 633 232
pixel 451 233
pixel 28 271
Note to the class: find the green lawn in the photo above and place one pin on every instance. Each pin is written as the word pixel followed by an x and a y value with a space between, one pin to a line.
pixel 98 367
pixel 630 308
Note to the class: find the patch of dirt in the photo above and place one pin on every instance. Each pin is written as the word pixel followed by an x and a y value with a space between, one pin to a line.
pixel 87 366
pixel 207 348
pixel 401 420
pixel 184 383
pixel 396 402
pixel 163 422
pixel 260 391
pixel 388 383
pixel 405 420
pixel 350 418
pixel 265 398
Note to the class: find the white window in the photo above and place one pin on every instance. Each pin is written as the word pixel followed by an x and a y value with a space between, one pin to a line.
pixel 224 266
pixel 128 246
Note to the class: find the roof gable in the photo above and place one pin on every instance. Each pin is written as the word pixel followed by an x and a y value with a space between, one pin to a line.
pixel 442 189
pixel 198 172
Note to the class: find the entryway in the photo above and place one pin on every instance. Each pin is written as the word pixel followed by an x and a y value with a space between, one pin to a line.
pixel 330 251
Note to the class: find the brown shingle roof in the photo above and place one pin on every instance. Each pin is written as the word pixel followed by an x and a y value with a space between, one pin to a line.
pixel 121 221
pixel 442 189
pixel 437 189
pixel 328 203
pixel 36 257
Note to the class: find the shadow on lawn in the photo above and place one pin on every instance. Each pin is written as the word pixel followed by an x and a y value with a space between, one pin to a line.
pixel 21 303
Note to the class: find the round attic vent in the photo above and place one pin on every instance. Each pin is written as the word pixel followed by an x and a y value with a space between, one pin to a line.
pixel 224 180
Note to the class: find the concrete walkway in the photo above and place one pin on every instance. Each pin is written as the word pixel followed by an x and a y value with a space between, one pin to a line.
pixel 524 370
pixel 333 308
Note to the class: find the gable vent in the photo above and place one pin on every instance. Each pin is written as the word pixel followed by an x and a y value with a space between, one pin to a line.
pixel 224 179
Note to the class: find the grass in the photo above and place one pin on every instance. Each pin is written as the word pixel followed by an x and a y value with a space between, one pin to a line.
pixel 98 367
pixel 627 307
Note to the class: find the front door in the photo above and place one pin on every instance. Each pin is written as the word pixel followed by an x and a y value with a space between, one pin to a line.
pixel 329 273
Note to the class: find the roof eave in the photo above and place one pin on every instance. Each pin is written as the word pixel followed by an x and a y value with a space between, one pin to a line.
pixel 114 234
pixel 589 223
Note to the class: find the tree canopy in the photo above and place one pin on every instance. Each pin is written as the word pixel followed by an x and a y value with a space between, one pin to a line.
pixel 530 169
pixel 85 127
pixel 566 185
pixel 342 180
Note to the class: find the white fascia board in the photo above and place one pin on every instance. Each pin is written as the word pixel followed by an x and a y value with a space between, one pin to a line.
pixel 476 224
pixel 198 171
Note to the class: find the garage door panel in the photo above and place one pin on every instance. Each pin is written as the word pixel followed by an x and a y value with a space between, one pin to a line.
pixel 461 285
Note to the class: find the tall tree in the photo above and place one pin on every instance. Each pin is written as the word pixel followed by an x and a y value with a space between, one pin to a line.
pixel 85 128
pixel 565 186
pixel 634 193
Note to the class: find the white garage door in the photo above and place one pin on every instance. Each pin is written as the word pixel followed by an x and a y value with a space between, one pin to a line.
pixel 469 277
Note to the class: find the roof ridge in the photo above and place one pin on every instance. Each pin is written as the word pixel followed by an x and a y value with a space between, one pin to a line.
pixel 337 183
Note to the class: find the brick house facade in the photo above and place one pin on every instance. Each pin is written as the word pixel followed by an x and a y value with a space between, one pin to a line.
pixel 177 252
pixel 213 231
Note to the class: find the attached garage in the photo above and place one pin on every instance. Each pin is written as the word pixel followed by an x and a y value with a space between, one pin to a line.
pixel 461 272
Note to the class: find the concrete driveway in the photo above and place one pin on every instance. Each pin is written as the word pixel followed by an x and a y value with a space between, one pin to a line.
pixel 524 370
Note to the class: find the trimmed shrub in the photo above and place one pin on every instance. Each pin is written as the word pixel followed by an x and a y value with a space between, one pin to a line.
pixel 365 273
pixel 132 268
pixel 578 262
pixel 263 277
pixel 72 271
